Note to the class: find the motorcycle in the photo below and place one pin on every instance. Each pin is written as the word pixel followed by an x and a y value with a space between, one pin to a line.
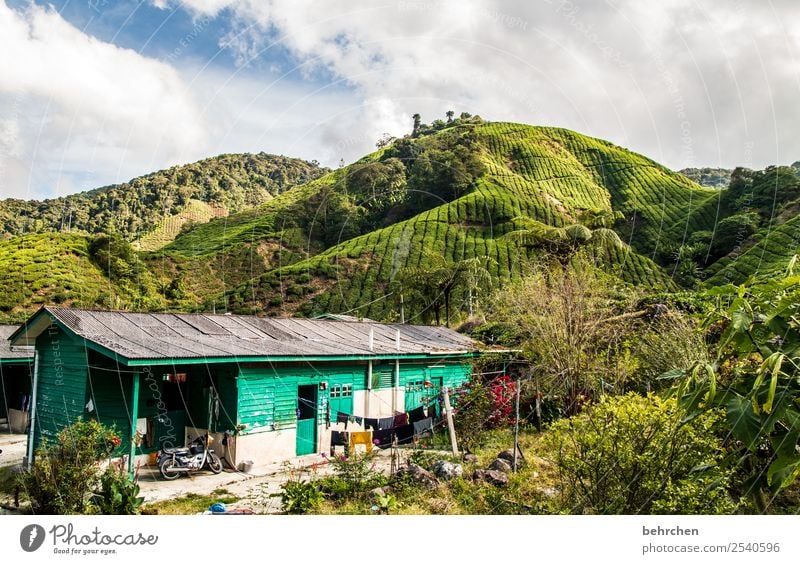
pixel 172 462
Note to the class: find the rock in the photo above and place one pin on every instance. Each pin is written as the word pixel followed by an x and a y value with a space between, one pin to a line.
pixel 377 492
pixel 419 474
pixel 495 477
pixel 478 475
pixel 507 455
pixel 470 459
pixel 541 463
pixel 447 470
pixel 501 466
pixel 548 492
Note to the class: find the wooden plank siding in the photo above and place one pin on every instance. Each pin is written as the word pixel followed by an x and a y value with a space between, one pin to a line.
pixel 61 386
pixel 268 394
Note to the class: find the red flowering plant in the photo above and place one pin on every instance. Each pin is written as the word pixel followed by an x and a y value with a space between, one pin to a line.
pixel 480 405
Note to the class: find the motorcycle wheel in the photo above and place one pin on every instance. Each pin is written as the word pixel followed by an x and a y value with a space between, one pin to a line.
pixel 165 473
pixel 214 463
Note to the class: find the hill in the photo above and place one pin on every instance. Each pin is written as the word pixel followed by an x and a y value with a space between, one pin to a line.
pixel 499 193
pixel 225 184
pixel 342 241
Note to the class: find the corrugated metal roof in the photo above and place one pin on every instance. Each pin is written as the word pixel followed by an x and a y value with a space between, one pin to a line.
pixel 6 352
pixel 143 336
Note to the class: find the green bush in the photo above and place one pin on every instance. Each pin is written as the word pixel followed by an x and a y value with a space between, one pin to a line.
pixel 298 497
pixel 358 472
pixel 118 494
pixel 66 472
pixel 631 455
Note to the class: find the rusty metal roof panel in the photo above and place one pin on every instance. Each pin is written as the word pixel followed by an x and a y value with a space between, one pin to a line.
pixel 182 336
pixel 16 353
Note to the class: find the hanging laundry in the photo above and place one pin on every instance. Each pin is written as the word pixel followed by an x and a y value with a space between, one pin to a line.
pixel 361 438
pixel 416 414
pixel 424 426
pixel 400 419
pixel 358 420
pixel 404 434
pixel 433 410
pixel 385 423
pixel 339 438
pixel 342 418
pixel 383 438
pixel 370 423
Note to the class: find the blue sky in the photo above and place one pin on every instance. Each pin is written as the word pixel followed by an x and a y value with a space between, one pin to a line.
pixel 97 92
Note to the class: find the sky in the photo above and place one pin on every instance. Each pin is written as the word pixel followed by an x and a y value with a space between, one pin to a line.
pixel 96 92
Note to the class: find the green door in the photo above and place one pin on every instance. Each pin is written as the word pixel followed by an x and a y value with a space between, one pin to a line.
pixel 341 399
pixel 306 420
pixel 415 389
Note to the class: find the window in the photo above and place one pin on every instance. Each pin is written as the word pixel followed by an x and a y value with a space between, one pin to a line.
pixel 342 390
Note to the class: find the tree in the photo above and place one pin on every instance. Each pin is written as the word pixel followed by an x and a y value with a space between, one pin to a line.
pixel 575 334
pixel 417 122
pixel 563 242
pixel 434 283
pixel 450 114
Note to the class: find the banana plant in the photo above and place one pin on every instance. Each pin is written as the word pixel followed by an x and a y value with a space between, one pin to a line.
pixel 755 378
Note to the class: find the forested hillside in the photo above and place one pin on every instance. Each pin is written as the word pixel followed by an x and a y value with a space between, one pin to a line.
pixel 226 184
pixel 465 202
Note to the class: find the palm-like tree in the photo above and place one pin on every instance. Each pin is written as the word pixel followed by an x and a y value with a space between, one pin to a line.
pixel 434 283
pixel 592 229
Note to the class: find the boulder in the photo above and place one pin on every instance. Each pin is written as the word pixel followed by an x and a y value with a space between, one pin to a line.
pixel 507 455
pixel 501 466
pixel 377 492
pixel 470 459
pixel 420 475
pixel 478 475
pixel 495 477
pixel 447 470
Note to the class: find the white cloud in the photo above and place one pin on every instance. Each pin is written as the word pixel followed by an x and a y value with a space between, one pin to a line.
pixel 688 82
pixel 78 112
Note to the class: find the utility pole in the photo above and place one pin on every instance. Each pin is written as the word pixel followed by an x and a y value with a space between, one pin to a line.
pixel 516 425
pixel 449 412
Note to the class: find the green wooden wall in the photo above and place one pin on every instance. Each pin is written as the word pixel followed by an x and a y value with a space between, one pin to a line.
pixel 62 382
pixel 268 394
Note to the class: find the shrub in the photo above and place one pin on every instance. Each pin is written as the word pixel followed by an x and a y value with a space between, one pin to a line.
pixel 118 494
pixel 298 497
pixel 65 473
pixel 631 455
pixel 358 472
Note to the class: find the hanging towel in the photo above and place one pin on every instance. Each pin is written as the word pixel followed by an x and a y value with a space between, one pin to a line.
pixel 433 410
pixel 400 419
pixel 342 418
pixel 361 438
pixel 370 423
pixel 358 420
pixel 426 425
pixel 404 434
pixel 339 438
pixel 416 414
pixel 383 438
pixel 385 423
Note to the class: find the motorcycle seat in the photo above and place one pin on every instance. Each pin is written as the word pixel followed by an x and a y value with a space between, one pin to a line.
pixel 183 450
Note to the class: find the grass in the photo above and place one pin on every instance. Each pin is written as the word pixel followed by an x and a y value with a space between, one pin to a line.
pixel 190 504
pixel 525 493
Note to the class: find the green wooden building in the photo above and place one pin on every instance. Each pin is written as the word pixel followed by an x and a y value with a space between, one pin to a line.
pixel 15 383
pixel 272 385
